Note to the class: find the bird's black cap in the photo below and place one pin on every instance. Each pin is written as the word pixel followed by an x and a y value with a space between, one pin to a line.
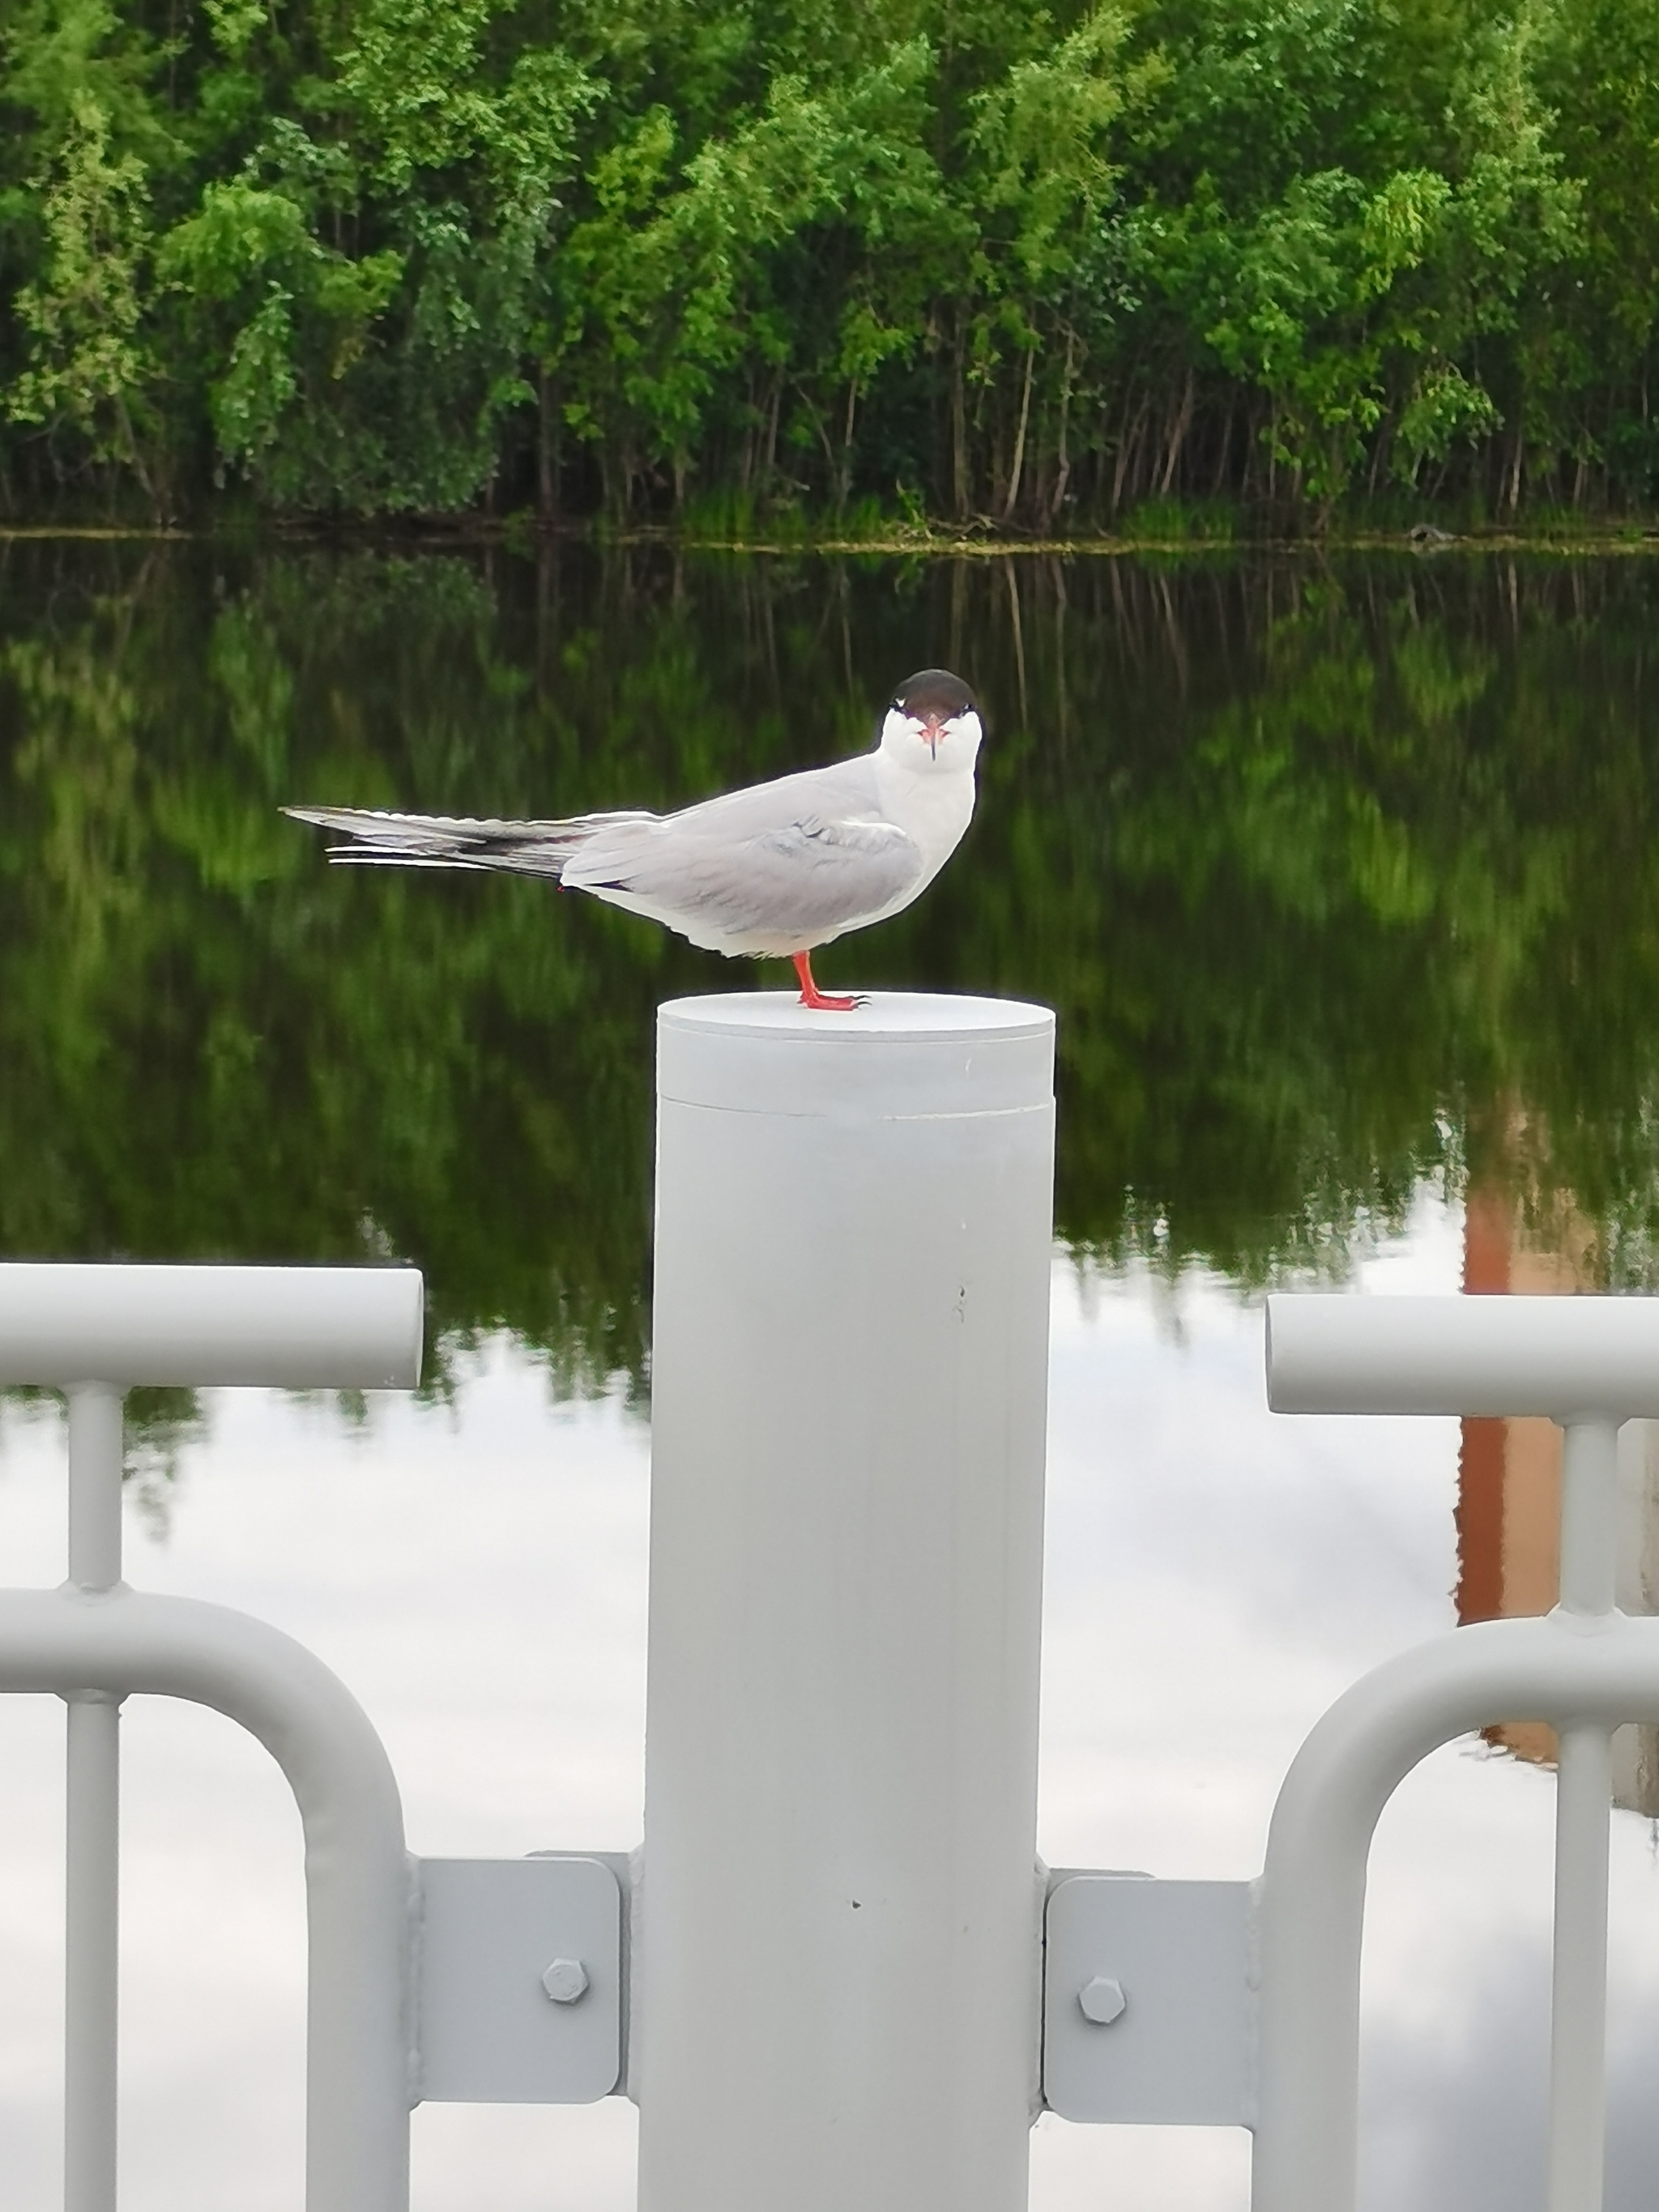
pixel 934 692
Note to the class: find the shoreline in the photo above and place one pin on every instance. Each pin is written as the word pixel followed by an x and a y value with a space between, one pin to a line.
pixel 513 537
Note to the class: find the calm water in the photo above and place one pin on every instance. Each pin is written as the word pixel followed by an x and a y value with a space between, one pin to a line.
pixel 1345 880
pixel 1332 871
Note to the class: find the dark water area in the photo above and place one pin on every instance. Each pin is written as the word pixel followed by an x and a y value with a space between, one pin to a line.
pixel 1339 874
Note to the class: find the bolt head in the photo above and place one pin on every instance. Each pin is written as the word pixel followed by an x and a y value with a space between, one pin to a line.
pixel 1102 2000
pixel 565 1980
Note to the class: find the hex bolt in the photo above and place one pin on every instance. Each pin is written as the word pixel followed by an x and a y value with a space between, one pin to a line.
pixel 565 1980
pixel 1102 2000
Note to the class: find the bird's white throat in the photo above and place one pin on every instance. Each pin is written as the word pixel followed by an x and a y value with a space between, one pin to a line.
pixel 953 751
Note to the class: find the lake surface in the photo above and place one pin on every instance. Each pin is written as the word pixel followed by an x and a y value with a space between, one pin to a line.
pixel 1344 878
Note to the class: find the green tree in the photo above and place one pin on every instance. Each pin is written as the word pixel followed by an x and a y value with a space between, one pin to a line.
pixel 87 365
pixel 1005 263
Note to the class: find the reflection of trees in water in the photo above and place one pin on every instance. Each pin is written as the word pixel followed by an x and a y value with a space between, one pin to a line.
pixel 161 1424
pixel 1316 861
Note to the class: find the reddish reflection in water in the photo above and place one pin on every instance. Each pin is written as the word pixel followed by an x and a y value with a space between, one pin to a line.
pixel 1517 1242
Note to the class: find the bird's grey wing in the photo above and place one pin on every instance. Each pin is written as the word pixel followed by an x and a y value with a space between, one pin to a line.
pixel 809 852
pixel 442 840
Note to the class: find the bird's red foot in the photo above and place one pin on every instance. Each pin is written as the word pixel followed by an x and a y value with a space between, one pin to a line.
pixel 824 1001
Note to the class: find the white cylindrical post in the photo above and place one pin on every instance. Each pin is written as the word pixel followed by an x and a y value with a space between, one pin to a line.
pixel 92 1869
pixel 1583 1794
pixel 840 1942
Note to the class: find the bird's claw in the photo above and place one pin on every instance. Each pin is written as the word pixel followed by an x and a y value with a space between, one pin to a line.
pixel 824 1002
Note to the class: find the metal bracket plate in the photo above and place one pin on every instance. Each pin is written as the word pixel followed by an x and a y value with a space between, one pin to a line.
pixel 1147 2005
pixel 518 1980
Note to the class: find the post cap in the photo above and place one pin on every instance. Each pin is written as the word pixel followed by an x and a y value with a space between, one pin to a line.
pixel 901 1055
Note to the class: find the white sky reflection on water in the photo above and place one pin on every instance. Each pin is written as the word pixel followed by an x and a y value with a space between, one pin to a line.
pixel 476 1575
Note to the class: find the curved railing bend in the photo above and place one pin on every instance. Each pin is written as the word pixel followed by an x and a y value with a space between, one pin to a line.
pixel 357 1874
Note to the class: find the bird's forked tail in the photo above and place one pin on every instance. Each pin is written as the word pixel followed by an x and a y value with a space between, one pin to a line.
pixel 442 841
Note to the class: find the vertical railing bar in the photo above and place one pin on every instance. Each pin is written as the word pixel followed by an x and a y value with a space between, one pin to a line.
pixel 92 1864
pixel 90 1949
pixel 1578 2032
pixel 1578 2013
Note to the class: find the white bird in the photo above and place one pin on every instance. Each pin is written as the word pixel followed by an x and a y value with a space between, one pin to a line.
pixel 772 871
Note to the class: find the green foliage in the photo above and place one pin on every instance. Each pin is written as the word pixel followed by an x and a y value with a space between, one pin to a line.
pixel 87 367
pixel 1018 264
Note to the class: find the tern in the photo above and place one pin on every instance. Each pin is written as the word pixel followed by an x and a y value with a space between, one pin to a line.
pixel 771 871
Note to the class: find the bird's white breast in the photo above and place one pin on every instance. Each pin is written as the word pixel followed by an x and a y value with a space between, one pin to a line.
pixel 933 806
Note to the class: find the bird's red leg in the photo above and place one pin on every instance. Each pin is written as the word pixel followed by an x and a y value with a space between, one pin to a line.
pixel 812 996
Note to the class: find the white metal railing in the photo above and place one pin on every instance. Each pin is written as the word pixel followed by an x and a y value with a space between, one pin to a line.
pixel 1201 2002
pixel 94 1333
pixel 1589 1364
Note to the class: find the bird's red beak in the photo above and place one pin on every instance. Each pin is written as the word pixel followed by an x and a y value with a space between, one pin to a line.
pixel 931 734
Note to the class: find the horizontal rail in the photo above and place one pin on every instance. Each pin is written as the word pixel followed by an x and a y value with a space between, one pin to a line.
pixel 1566 1358
pixel 1566 1668
pixel 358 1876
pixel 297 1328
